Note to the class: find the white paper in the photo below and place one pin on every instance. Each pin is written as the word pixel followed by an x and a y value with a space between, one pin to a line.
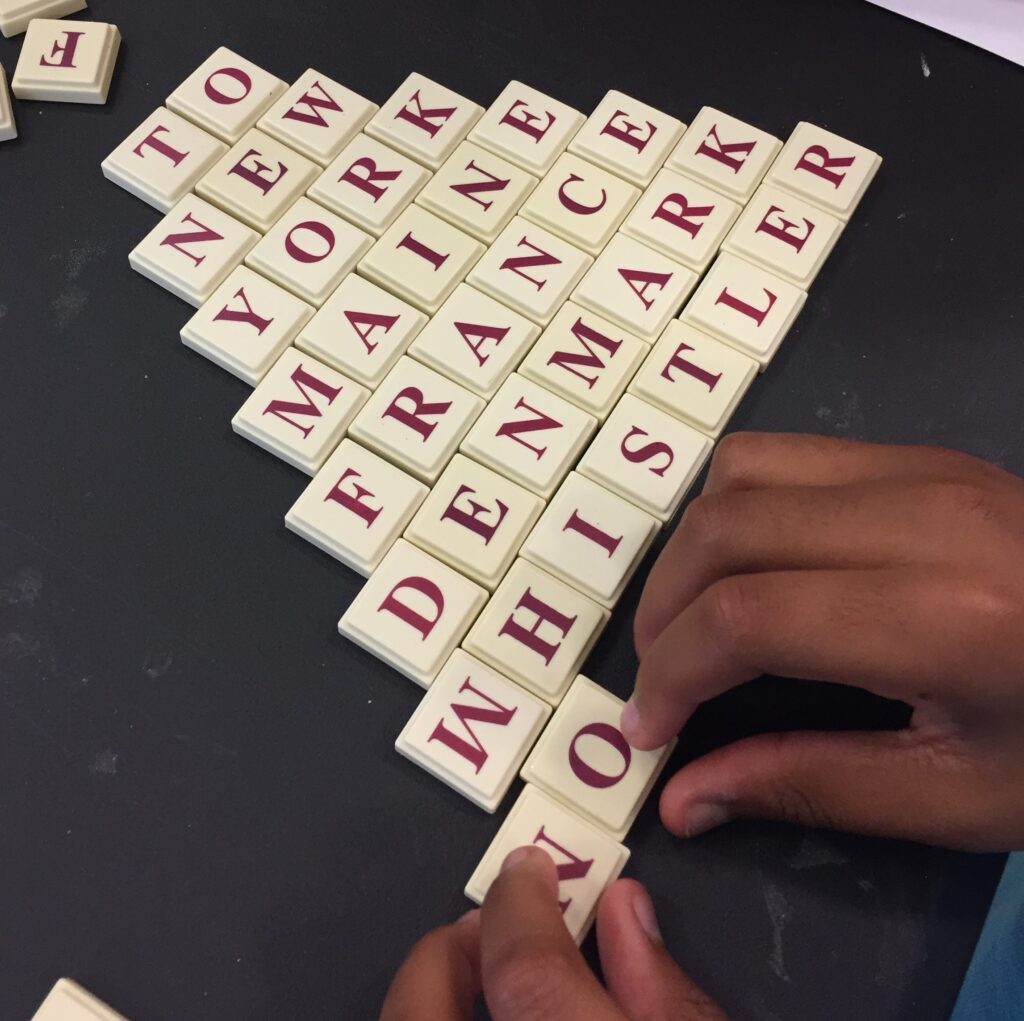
pixel 996 25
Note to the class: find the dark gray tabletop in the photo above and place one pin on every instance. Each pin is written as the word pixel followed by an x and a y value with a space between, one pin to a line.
pixel 201 814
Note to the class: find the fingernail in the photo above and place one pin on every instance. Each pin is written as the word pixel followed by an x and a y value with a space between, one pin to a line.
pixel 643 908
pixel 516 857
pixel 629 722
pixel 703 816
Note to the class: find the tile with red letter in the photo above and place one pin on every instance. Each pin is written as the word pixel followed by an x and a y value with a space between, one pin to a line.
pixel 66 61
pixel 694 377
pixel 421 258
pixel 530 269
pixel 477 191
pixel 636 287
pixel 356 507
pixel 475 520
pixel 257 179
pixel 536 630
pixel 299 410
pixel 246 324
pixel 527 127
pixel 745 306
pixel 628 137
pixel 162 159
pixel 591 539
pixel 474 340
pixel 15 15
pixel 682 219
pixel 310 251
pixel 587 858
pixel 472 730
pixel 412 612
pixel 225 95
pixel 784 234
pixel 68 1001
pixel 530 435
pixel 583 761
pixel 317 117
pixel 424 120
pixel 646 456
pixel 581 203
pixel 192 249
pixel 825 169
pixel 361 330
pixel 369 184
pixel 416 419
pixel 8 129
pixel 725 153
pixel 585 359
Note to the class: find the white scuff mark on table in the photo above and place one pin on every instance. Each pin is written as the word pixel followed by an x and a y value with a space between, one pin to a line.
pixel 925 69
pixel 25 587
pixel 105 762
pixel 779 913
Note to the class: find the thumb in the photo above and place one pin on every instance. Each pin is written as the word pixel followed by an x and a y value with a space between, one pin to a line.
pixel 908 784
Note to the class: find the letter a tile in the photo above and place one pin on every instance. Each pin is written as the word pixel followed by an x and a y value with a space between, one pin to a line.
pixel 583 761
pixel 472 730
pixel 587 858
pixel 412 612
pixel 66 61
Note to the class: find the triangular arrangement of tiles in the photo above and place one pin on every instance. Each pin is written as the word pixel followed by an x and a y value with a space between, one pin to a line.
pixel 502 342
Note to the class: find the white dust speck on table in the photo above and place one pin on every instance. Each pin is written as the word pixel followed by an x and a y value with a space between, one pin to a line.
pixel 925 69
pixel 24 588
pixel 105 762
pixel 157 664
pixel 815 852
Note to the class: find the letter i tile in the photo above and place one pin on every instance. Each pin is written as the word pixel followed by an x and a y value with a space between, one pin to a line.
pixel 412 612
pixel 8 129
pixel 583 761
pixel 66 61
pixel 587 858
pixel 473 729
pixel 246 324
pixel 356 507
pixel 300 410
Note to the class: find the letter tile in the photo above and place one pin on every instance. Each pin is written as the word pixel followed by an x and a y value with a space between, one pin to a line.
pixel 356 507
pixel 646 457
pixel 824 169
pixel 299 410
pixel 581 203
pixel 627 137
pixel 257 179
pixel 694 378
pixel 475 520
pixel 587 858
pixel 424 120
pixel 530 269
pixel 412 612
pixel 746 306
pixel 474 340
pixel 15 15
pixel 67 1000
pixel 636 287
pixel 785 234
pixel 585 359
pixel 725 153
pixel 527 127
pixel 416 419
pixel 161 161
pixel 472 730
pixel 310 251
pixel 530 435
pixel 66 61
pixel 682 219
pixel 317 117
pixel 537 630
pixel 583 761
pixel 8 129
pixel 421 258
pixel 591 539
pixel 225 95
pixel 369 184
pixel 361 330
pixel 246 324
pixel 477 191
pixel 192 249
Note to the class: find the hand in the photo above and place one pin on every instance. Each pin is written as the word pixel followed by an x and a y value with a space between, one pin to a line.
pixel 518 950
pixel 896 569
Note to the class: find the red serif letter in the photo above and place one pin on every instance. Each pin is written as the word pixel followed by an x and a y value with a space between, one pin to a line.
pixel 314 105
pixel 540 258
pixel 757 314
pixel 318 230
pixel 471 518
pixel 567 865
pixel 818 161
pixel 629 133
pixel 305 382
pixel 469 189
pixel 543 613
pixel 647 451
pixel 677 361
pixel 588 774
pixel 609 543
pixel 178 241
pixel 354 501
pixel 725 153
pixel 421 408
pixel 527 122
pixel 368 183
pixel 256 174
pixel 784 230
pixel 480 334
pixel 232 315
pixel 539 421
pixel 431 121
pixel 586 335
pixel 473 750
pixel 67 51
pixel 370 321
pixel 418 621
pixel 237 75
pixel 676 209
pixel 644 278
pixel 174 155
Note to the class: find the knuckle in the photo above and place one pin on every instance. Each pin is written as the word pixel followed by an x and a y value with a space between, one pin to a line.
pixel 733 609
pixel 734 457
pixel 704 524
pixel 956 497
pixel 529 984
pixel 789 795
